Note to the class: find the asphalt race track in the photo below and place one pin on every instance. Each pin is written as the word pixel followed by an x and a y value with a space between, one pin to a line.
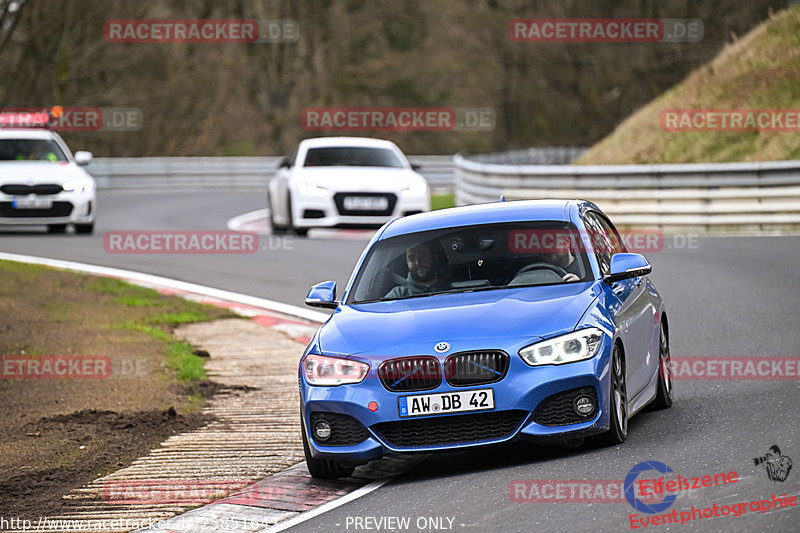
pixel 726 296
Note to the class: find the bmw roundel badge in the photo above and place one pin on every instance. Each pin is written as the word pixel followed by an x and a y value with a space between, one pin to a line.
pixel 441 347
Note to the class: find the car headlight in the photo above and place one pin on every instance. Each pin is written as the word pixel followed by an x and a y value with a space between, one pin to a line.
pixel 332 371
pixel 309 188
pixel 575 346
pixel 416 189
pixel 79 185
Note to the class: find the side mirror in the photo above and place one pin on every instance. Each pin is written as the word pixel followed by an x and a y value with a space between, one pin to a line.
pixel 415 167
pixel 83 158
pixel 323 295
pixel 285 163
pixel 624 266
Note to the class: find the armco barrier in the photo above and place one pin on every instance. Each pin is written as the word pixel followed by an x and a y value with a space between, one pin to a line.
pixel 253 173
pixel 721 197
pixel 236 173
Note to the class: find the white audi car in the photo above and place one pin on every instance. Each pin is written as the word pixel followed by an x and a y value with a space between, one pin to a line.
pixel 344 182
pixel 42 183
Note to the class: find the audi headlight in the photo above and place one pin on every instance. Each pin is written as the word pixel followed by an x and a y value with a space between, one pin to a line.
pixel 418 188
pixel 309 188
pixel 575 346
pixel 80 185
pixel 332 371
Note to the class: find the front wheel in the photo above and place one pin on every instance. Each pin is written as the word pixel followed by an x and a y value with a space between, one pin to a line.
pixel 302 232
pixel 618 403
pixel 85 229
pixel 56 228
pixel 324 468
pixel 664 393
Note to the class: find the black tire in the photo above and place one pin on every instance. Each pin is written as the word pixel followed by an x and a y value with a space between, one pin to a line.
pixel 302 232
pixel 618 402
pixel 324 468
pixel 85 229
pixel 56 228
pixel 665 384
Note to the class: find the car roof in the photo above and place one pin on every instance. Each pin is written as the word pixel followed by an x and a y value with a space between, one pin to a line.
pixel 517 211
pixel 26 133
pixel 318 142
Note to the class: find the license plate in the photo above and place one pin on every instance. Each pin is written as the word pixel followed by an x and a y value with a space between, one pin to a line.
pixel 446 402
pixel 366 203
pixel 32 203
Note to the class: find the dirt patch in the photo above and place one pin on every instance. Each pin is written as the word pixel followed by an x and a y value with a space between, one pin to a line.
pixel 100 441
pixel 59 434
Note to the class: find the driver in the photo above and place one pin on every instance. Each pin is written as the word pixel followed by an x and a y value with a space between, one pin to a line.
pixel 424 271
pixel 565 260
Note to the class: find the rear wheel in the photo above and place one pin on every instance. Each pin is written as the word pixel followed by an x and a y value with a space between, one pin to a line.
pixel 56 228
pixel 664 392
pixel 274 227
pixel 618 402
pixel 324 468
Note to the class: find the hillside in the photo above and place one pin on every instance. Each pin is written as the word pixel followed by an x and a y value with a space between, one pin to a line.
pixel 759 70
pixel 247 99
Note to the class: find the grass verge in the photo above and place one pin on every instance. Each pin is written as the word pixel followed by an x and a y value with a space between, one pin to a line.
pixel 58 434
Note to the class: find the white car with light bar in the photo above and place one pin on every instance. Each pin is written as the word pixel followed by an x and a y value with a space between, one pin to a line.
pixel 344 182
pixel 42 183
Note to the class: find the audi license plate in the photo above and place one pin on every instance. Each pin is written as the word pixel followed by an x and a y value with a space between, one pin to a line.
pixel 366 203
pixel 446 402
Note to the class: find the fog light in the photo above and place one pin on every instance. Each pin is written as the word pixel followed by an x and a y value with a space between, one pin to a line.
pixel 584 405
pixel 322 430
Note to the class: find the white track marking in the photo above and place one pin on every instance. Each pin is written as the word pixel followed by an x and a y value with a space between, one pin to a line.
pixel 249 222
pixel 324 508
pixel 239 222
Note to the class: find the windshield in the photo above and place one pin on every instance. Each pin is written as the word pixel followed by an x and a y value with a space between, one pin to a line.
pixel 471 258
pixel 352 156
pixel 30 150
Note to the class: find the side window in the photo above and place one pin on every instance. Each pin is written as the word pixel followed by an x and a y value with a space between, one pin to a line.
pixel 604 238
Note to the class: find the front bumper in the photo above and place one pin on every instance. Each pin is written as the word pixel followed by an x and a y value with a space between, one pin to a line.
pixel 310 211
pixel 522 391
pixel 67 208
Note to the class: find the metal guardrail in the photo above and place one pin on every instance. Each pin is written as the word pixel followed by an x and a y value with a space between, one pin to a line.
pixel 241 173
pixel 547 155
pixel 248 173
pixel 761 196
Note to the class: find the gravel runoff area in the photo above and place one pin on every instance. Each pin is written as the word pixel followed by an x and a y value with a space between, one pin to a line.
pixel 255 435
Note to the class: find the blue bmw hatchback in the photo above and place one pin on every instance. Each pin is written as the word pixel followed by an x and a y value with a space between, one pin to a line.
pixel 479 325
